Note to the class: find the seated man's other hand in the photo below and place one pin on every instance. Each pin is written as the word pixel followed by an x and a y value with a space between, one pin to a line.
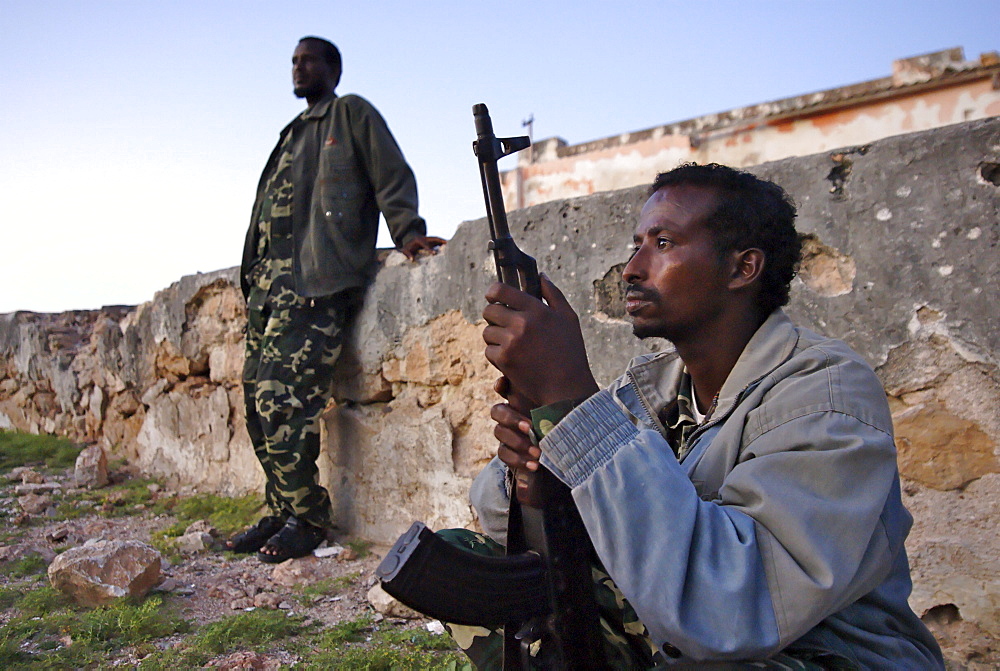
pixel 513 429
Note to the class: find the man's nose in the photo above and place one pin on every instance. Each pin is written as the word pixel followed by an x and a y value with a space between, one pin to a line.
pixel 632 271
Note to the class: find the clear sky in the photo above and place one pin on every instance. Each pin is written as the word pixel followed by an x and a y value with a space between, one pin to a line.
pixel 132 133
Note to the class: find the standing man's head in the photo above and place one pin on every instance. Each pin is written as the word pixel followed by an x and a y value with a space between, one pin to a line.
pixel 316 68
pixel 712 244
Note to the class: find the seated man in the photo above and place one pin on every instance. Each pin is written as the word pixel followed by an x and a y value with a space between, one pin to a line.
pixel 741 489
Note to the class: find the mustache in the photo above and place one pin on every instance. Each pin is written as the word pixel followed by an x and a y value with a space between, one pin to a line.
pixel 637 293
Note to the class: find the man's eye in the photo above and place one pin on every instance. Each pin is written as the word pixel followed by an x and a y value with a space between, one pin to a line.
pixel 662 243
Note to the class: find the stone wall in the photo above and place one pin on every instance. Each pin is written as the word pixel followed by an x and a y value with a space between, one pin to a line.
pixel 901 262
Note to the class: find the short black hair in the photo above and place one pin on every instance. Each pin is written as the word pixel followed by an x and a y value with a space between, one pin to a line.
pixel 330 52
pixel 750 213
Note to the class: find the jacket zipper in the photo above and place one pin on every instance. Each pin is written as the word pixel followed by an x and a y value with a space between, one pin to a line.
pixel 645 406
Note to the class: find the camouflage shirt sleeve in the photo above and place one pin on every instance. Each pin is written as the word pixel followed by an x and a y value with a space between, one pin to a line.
pixel 544 419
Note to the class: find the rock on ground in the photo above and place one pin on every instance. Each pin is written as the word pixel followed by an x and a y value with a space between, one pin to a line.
pixel 91 468
pixel 100 572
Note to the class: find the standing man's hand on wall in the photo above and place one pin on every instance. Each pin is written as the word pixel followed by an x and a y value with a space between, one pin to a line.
pixel 422 243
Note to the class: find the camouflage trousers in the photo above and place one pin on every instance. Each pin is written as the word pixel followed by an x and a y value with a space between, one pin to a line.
pixel 292 346
pixel 627 644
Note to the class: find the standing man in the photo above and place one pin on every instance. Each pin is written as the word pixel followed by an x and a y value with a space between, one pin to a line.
pixel 741 490
pixel 309 254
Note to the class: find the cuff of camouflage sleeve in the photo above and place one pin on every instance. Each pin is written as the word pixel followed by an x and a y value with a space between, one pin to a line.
pixel 544 419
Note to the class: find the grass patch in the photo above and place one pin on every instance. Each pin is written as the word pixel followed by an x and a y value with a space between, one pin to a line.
pixel 350 631
pixel 39 602
pixel 50 632
pixel 362 645
pixel 254 630
pixel 23 567
pixel 419 638
pixel 68 509
pixel 163 541
pixel 9 596
pixel 130 623
pixel 360 547
pixel 122 499
pixel 328 586
pixel 167 547
pixel 388 659
pixel 226 514
pixel 118 500
pixel 28 449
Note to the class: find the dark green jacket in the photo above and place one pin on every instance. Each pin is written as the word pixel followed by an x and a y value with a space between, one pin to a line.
pixel 346 168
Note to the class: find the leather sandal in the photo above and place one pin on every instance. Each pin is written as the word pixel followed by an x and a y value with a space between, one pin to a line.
pixel 295 539
pixel 253 538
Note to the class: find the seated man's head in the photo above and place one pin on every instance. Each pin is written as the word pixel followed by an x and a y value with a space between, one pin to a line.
pixel 712 244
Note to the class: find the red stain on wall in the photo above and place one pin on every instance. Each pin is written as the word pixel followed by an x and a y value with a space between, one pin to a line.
pixel 784 126
pixel 829 121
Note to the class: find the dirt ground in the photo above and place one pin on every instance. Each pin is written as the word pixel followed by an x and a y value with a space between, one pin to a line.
pixel 209 584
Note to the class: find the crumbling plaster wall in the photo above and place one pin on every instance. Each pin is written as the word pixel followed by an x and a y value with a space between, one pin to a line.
pixel 901 262
pixel 750 137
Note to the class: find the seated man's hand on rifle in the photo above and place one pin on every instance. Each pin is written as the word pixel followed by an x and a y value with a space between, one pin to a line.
pixel 538 346
pixel 513 429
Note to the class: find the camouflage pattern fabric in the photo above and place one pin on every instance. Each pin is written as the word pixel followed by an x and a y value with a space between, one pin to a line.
pixel 679 417
pixel 292 346
pixel 627 644
pixel 273 257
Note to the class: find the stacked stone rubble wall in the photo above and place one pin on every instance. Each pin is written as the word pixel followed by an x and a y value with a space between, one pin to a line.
pixel 901 262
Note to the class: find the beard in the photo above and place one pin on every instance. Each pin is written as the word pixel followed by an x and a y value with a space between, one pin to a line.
pixel 308 90
pixel 644 329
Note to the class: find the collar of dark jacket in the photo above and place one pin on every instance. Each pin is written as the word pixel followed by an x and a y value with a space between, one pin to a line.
pixel 320 109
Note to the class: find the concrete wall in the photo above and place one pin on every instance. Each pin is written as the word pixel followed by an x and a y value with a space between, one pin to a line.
pixel 901 262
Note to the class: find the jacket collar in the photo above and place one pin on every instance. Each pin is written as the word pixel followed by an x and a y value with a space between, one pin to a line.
pixel 657 377
pixel 770 346
pixel 321 108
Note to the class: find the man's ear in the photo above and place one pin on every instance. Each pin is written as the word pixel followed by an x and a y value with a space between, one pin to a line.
pixel 746 267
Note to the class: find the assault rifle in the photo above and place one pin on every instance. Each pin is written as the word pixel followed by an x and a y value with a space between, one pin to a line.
pixel 543 589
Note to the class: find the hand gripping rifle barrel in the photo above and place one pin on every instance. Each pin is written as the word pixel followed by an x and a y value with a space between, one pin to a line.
pixel 543 589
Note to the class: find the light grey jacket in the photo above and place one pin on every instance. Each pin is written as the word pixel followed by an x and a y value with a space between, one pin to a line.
pixel 782 527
